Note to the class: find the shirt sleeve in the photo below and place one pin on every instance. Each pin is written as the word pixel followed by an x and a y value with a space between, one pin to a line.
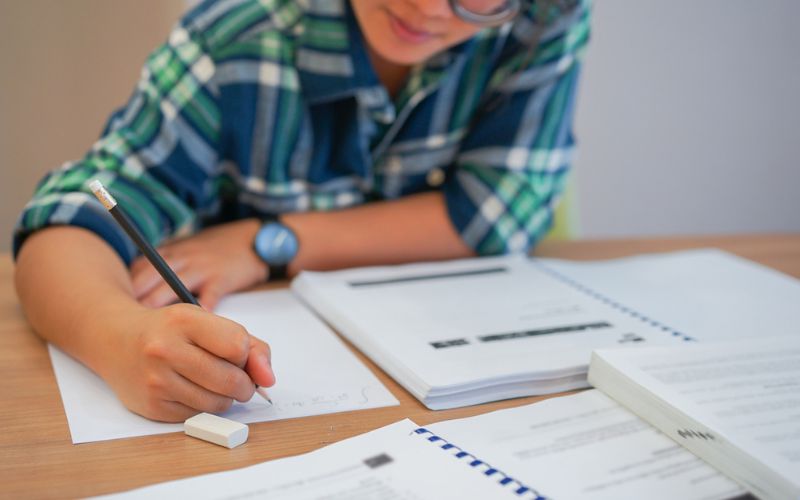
pixel 513 163
pixel 156 155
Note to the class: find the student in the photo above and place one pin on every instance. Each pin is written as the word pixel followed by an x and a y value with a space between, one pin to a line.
pixel 268 137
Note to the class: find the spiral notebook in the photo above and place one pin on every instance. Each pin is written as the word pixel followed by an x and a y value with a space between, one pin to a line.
pixel 470 331
pixel 706 294
pixel 400 460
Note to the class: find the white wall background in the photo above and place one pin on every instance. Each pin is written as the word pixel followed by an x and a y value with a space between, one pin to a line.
pixel 64 67
pixel 689 118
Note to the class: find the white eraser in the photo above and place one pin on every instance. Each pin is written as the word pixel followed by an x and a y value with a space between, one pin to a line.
pixel 216 430
pixel 102 194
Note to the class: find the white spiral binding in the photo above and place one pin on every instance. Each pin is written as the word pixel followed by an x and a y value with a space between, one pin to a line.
pixel 610 302
pixel 503 479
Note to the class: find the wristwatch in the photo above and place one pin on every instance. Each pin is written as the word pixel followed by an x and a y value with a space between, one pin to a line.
pixel 277 245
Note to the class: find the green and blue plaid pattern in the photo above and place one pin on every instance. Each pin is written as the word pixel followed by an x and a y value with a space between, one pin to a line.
pixel 264 107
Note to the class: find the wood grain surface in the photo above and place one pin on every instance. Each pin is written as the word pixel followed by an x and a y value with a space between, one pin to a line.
pixel 38 460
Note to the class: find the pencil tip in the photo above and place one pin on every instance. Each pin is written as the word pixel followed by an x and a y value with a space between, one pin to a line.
pixel 261 392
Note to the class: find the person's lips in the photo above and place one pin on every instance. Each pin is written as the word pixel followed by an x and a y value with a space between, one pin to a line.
pixel 408 33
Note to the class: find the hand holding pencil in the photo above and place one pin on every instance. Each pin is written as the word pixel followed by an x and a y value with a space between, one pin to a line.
pixel 201 362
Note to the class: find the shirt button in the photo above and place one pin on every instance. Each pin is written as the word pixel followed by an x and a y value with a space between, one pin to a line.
pixel 435 177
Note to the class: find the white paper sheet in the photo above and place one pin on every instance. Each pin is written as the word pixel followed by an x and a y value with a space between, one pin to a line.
pixel 316 374
pixel 707 294
pixel 391 463
pixel 587 446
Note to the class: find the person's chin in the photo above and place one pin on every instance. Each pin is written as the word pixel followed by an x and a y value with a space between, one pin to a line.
pixel 405 56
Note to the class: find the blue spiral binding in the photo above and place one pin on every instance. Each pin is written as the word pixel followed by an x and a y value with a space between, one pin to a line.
pixel 503 479
pixel 610 302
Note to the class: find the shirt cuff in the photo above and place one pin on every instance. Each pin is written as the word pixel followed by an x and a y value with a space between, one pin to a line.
pixel 73 209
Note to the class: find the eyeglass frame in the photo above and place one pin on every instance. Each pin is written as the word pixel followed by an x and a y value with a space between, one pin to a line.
pixel 486 19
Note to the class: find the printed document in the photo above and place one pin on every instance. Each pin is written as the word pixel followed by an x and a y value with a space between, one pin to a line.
pixel 391 463
pixel 587 446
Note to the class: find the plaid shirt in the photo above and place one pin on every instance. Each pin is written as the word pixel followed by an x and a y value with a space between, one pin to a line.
pixel 264 107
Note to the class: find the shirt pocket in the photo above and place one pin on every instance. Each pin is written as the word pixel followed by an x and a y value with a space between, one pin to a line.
pixel 415 166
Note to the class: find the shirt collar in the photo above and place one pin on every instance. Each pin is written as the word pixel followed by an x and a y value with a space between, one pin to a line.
pixel 331 73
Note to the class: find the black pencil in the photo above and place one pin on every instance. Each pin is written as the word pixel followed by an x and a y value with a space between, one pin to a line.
pixel 151 253
pixel 147 249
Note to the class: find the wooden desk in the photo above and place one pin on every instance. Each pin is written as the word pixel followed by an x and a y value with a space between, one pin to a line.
pixel 37 458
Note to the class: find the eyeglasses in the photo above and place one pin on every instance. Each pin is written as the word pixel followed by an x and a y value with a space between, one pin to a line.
pixel 485 12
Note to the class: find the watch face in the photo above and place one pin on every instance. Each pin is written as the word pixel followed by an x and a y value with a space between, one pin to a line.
pixel 276 244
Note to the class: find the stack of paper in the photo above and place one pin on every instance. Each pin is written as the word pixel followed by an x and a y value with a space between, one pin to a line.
pixel 470 331
pixel 735 404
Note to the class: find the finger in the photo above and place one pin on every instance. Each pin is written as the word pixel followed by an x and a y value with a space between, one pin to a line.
pixel 259 363
pixel 219 336
pixel 163 294
pixel 145 281
pixel 210 294
pixel 156 407
pixel 170 411
pixel 145 278
pixel 138 265
pixel 214 289
pixel 213 373
pixel 141 263
pixel 188 393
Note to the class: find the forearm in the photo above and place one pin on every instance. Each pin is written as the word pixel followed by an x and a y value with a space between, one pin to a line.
pixel 414 228
pixel 164 363
pixel 70 282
